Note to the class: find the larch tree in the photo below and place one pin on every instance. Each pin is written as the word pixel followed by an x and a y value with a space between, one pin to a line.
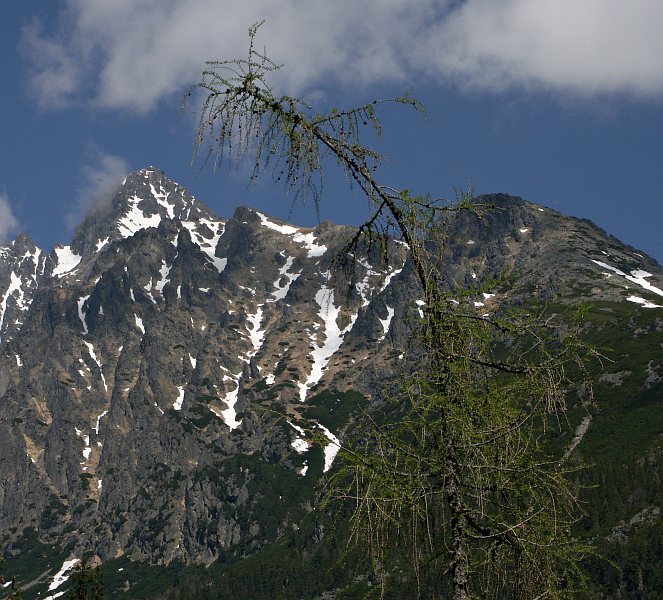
pixel 15 591
pixel 463 476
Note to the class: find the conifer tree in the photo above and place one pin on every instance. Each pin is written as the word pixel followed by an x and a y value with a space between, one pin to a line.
pixel 15 591
pixel 86 583
pixel 463 475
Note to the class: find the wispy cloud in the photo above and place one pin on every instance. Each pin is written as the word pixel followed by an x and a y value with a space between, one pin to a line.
pixel 99 179
pixel 55 67
pixel 8 222
pixel 129 54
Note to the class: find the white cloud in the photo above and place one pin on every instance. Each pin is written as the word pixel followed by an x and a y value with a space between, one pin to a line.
pixel 54 73
pixel 585 47
pixel 8 222
pixel 131 53
pixel 99 180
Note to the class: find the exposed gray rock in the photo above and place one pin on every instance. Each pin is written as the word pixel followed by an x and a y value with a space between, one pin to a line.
pixel 156 374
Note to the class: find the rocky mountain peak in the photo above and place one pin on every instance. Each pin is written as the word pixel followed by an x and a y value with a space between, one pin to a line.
pixel 24 240
pixel 145 198
pixel 167 378
pixel 546 254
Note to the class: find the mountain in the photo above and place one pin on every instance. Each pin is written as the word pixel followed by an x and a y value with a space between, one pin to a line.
pixel 174 384
pixel 22 265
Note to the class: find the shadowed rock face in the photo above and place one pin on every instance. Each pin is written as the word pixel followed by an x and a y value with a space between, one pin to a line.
pixel 22 266
pixel 157 372
pixel 550 256
pixel 163 342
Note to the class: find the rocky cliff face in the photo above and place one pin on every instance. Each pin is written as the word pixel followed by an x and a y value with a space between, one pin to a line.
pixel 22 266
pixel 172 381
pixel 163 341
pixel 550 256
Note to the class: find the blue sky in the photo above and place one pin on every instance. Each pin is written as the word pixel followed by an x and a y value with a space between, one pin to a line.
pixel 558 102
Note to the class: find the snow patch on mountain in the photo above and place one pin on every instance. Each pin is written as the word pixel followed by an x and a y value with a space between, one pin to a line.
pixel 14 287
pixel 229 415
pixel 139 323
pixel 419 304
pixel 81 313
pixel 148 288
pixel 162 199
pixel 366 286
pixel 386 323
pixel 331 449
pixel 93 355
pixel 307 239
pixel 67 261
pixel 321 353
pixel 256 335
pixel 177 405
pixel 644 303
pixel 101 416
pixel 87 450
pixel 284 229
pixel 390 275
pixel 135 219
pixel 280 291
pixel 164 271
pixel 102 243
pixel 637 276
pixel 299 444
pixel 208 244
pixel 62 575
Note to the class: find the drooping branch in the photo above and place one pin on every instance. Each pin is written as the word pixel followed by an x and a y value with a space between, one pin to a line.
pixel 464 464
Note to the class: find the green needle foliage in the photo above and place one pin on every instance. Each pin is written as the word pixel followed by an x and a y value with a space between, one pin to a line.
pixel 86 583
pixel 461 476
pixel 15 592
pixel 241 118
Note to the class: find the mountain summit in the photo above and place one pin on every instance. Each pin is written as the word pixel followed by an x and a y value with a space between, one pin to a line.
pixel 157 340
pixel 145 199
pixel 174 384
